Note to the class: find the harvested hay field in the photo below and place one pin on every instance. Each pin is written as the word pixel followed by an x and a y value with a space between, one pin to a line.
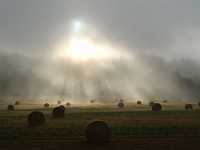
pixel 132 128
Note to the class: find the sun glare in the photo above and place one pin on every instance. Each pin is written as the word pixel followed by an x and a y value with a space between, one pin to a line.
pixel 81 46
pixel 77 26
pixel 84 49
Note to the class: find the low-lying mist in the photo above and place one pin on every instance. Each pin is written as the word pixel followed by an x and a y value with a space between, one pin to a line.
pixel 141 76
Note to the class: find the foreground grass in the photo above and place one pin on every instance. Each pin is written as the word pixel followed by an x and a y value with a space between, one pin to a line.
pixel 13 125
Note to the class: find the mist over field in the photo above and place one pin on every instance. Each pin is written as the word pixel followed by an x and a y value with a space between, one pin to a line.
pixel 156 44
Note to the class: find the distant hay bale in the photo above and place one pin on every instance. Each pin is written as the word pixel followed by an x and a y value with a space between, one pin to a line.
pixel 199 104
pixel 139 102
pixel 151 103
pixel 36 118
pixel 120 105
pixel 17 103
pixel 188 106
pixel 121 100
pixel 92 101
pixel 165 101
pixel 11 107
pixel 68 104
pixel 98 132
pixel 59 102
pixel 46 105
pixel 59 112
pixel 156 107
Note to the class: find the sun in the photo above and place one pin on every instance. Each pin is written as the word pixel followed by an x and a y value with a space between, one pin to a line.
pixel 81 45
pixel 77 26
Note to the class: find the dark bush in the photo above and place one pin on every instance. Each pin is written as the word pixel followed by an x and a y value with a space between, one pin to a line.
pixel 35 119
pixel 59 112
pixel 11 107
pixel 156 107
pixel 98 132
pixel 188 107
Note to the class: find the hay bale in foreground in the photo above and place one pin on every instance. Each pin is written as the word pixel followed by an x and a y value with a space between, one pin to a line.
pixel 11 107
pixel 46 105
pixel 120 105
pixel 156 107
pixel 17 103
pixel 188 106
pixel 59 112
pixel 36 118
pixel 98 132
pixel 139 102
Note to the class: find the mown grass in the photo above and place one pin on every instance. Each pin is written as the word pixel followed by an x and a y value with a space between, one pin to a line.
pixel 13 125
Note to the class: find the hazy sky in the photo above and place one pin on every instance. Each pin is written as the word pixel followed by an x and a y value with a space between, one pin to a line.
pixel 165 36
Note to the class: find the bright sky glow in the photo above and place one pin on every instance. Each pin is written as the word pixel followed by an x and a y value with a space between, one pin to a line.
pixel 77 26
pixel 83 47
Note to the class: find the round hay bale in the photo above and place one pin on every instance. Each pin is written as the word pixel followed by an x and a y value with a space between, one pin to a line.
pixel 59 102
pixel 68 104
pixel 98 132
pixel 11 107
pixel 120 105
pixel 151 103
pixel 46 105
pixel 139 102
pixel 199 104
pixel 17 103
pixel 121 100
pixel 165 101
pixel 36 118
pixel 156 107
pixel 188 106
pixel 59 112
pixel 92 101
